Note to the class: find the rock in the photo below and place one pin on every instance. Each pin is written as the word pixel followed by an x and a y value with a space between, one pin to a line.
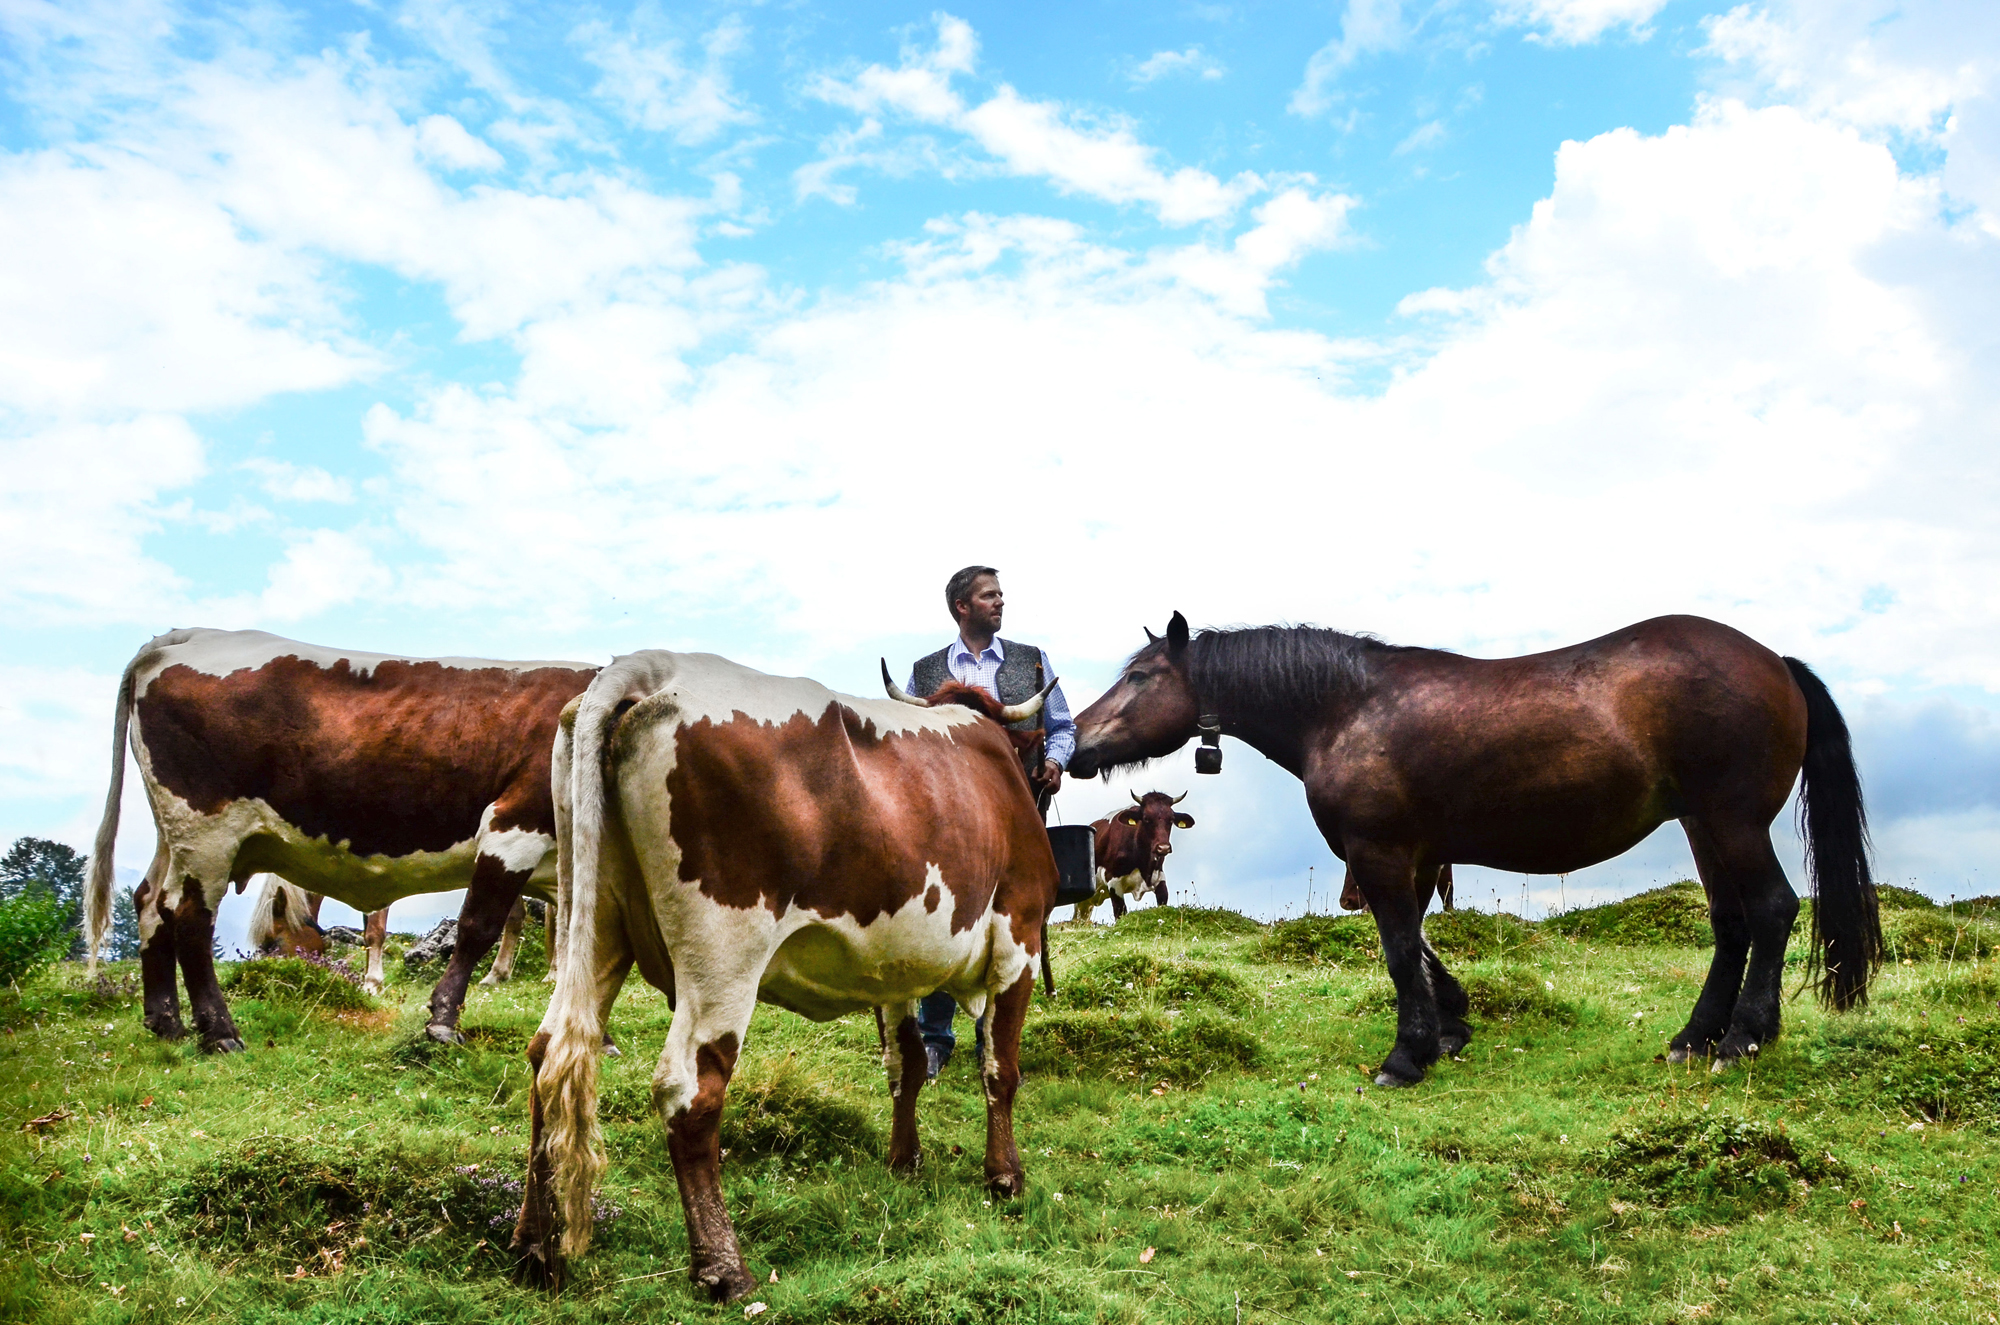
pixel 435 946
pixel 347 934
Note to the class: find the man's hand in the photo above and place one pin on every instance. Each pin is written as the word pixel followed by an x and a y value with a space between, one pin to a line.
pixel 1051 781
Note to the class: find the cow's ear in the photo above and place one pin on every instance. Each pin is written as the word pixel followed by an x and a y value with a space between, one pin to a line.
pixel 1130 818
pixel 1177 633
pixel 1151 638
pixel 1183 821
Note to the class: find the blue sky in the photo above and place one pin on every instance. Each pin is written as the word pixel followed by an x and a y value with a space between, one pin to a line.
pixel 562 331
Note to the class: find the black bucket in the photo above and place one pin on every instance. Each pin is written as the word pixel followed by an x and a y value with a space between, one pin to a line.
pixel 1075 846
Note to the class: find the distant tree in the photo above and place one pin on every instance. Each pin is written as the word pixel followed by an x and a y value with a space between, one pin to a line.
pixel 54 869
pixel 121 943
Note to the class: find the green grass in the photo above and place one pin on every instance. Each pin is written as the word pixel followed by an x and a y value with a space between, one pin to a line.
pixel 1202 1087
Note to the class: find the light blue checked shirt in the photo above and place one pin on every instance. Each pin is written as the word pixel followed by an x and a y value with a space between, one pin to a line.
pixel 980 670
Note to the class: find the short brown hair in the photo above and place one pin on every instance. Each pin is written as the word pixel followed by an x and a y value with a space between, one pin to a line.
pixel 959 587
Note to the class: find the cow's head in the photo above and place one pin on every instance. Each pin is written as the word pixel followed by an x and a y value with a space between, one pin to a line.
pixel 1156 818
pixel 1151 710
pixel 1027 743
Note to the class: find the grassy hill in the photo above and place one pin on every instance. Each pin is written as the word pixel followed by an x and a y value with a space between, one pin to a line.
pixel 1200 1129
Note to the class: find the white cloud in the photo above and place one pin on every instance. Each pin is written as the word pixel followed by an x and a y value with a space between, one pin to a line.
pixel 301 483
pixel 78 501
pixel 1193 62
pixel 1367 27
pixel 1289 226
pixel 1422 138
pixel 1579 22
pixel 655 88
pixel 1026 137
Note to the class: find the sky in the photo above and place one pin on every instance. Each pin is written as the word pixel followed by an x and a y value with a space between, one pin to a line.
pixel 563 331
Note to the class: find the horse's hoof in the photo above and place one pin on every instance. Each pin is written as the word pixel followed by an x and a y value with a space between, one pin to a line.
pixel 373 988
pixel 444 1034
pixel 168 1030
pixel 1451 1046
pixel 726 1284
pixel 1007 1186
pixel 611 1050
pixel 1677 1055
pixel 1391 1079
pixel 1727 1057
pixel 230 1045
pixel 538 1267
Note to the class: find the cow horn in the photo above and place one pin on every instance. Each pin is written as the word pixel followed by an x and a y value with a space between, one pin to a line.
pixel 1178 799
pixel 1028 708
pixel 896 691
pixel 1136 800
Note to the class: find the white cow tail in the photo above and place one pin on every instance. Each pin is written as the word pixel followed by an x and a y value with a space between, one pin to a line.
pixel 566 1082
pixel 97 895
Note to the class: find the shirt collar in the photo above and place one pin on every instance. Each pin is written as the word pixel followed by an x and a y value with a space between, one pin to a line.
pixel 960 649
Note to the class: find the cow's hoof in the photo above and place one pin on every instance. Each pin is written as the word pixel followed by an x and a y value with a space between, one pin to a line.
pixel 373 988
pixel 444 1034
pixel 726 1283
pixel 228 1045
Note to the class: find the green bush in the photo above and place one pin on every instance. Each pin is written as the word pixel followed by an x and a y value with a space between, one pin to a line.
pixel 1937 935
pixel 1711 1156
pixel 1472 936
pixel 298 982
pixel 1322 939
pixel 1891 898
pixel 1209 922
pixel 1147 1045
pixel 1675 916
pixel 34 934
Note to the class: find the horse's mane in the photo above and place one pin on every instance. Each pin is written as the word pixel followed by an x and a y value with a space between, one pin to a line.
pixel 1280 669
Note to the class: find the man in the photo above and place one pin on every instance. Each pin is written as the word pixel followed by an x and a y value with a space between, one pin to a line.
pixel 1011 672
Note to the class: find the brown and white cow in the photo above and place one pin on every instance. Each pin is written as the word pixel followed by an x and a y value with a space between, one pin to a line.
pixel 1132 850
pixel 363 776
pixel 744 838
pixel 286 920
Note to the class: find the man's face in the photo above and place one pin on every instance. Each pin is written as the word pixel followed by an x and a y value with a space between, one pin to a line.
pixel 981 610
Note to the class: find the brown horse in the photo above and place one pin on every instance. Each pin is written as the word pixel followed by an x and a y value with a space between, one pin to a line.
pixel 1414 759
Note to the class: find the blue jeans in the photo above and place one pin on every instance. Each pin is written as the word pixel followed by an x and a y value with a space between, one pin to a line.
pixel 934 1016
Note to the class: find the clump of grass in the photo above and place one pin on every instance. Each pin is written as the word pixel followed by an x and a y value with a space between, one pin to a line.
pixel 1891 898
pixel 1675 916
pixel 299 1200
pixel 790 1113
pixel 1471 936
pixel 1513 994
pixel 1130 977
pixel 1937 935
pixel 299 982
pixel 1322 939
pixel 998 1287
pixel 1708 1157
pixel 1947 1076
pixel 1209 922
pixel 1181 1049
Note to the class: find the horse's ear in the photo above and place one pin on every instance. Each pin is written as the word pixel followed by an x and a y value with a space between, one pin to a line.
pixel 1177 633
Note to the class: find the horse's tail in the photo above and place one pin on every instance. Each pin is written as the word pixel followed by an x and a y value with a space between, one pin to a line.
pixel 1847 921
pixel 566 1082
pixel 97 893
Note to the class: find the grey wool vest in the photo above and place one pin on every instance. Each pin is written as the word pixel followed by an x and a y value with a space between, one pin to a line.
pixel 1019 679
